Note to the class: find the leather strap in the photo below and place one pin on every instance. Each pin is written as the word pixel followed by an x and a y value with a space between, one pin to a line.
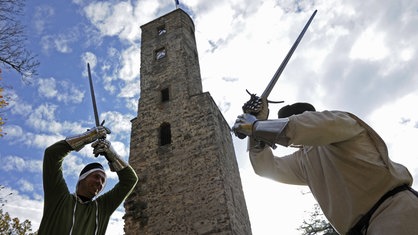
pixel 363 223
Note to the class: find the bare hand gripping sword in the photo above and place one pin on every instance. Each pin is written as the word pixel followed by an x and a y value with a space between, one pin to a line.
pixel 93 99
pixel 254 105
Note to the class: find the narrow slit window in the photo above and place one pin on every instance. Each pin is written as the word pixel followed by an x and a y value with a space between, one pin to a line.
pixel 161 53
pixel 165 95
pixel 161 30
pixel 165 134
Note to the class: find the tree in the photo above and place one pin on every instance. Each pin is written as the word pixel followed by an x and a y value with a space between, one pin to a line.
pixel 3 103
pixel 317 224
pixel 13 54
pixel 14 226
pixel 3 197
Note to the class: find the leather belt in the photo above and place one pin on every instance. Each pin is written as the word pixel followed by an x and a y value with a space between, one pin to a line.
pixel 362 225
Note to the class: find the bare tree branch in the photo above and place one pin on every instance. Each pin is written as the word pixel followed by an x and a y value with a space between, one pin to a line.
pixel 13 54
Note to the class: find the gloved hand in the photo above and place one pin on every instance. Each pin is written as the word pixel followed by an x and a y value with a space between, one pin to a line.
pixel 244 125
pixel 263 114
pixel 79 141
pixel 257 106
pixel 105 148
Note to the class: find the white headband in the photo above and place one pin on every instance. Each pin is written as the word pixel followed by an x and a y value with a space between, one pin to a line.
pixel 85 174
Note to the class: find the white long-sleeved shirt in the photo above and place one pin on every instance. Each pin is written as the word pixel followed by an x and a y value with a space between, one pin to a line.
pixel 343 161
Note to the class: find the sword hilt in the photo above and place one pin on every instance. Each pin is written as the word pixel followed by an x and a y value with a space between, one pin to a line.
pixel 255 104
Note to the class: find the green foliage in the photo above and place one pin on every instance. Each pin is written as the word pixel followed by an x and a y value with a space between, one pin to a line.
pixel 13 226
pixel 3 103
pixel 317 224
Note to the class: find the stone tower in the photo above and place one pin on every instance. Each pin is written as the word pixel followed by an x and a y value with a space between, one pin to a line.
pixel 181 146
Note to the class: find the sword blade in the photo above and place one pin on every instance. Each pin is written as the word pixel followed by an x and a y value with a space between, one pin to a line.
pixel 93 97
pixel 279 71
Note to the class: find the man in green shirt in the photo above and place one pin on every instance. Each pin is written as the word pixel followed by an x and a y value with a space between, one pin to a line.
pixel 81 213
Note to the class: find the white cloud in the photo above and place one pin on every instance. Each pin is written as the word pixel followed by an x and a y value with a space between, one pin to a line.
pixel 113 19
pixel 132 103
pixel 397 122
pixel 91 58
pixel 41 141
pixel 130 65
pixel 23 208
pixel 277 208
pixel 15 163
pixel 121 149
pixel 62 91
pixel 117 121
pixel 116 223
pixel 73 164
pixel 60 42
pixel 42 17
pixel 43 118
pixel 19 107
pixel 25 186
pixel 13 131
pixel 119 124
pixel 147 10
pixel 47 87
pixel 370 46
pixel 130 89
pixel 16 135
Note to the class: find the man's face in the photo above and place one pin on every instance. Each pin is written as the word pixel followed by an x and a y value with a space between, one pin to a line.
pixel 92 185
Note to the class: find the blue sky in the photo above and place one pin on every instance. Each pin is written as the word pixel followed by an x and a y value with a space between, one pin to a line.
pixel 356 56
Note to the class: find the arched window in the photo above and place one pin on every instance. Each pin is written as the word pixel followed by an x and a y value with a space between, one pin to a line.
pixel 165 134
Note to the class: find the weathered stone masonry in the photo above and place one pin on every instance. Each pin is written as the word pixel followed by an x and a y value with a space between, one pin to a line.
pixel 181 146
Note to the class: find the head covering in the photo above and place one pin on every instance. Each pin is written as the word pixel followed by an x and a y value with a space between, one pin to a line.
pixel 90 168
pixel 296 108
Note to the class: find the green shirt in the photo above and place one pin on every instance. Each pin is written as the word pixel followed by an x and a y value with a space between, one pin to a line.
pixel 59 203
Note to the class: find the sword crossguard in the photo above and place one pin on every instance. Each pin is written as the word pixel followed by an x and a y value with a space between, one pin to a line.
pixel 275 102
pixel 255 104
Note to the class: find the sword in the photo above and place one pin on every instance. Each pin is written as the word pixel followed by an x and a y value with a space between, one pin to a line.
pixel 279 71
pixel 254 105
pixel 93 99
